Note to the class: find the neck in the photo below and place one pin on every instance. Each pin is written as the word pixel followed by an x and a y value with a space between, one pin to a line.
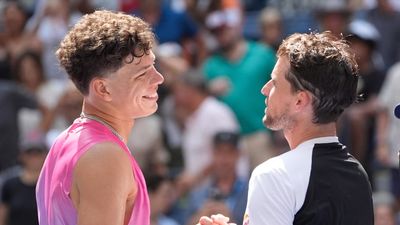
pixel 299 134
pixel 121 126
pixel 225 183
pixel 196 101
pixel 237 50
pixel 30 176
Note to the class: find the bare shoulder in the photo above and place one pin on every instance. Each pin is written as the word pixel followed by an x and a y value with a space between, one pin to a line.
pixel 104 154
pixel 104 165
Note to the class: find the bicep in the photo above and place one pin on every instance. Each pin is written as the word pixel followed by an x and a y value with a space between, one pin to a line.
pixel 270 201
pixel 103 179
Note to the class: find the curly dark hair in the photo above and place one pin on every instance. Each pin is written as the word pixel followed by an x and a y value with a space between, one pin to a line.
pixel 325 66
pixel 100 43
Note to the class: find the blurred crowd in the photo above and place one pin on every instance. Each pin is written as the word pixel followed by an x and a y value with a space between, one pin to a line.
pixel 198 151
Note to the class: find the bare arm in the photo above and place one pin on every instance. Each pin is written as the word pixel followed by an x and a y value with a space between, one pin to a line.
pixel 3 213
pixel 102 185
pixel 382 147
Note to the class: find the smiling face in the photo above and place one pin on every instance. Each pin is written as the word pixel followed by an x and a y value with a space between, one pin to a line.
pixel 279 98
pixel 133 88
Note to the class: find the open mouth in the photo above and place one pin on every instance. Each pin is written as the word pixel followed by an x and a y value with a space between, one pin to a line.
pixel 151 97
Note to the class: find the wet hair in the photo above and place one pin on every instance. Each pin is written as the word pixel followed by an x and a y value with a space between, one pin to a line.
pixel 100 43
pixel 325 66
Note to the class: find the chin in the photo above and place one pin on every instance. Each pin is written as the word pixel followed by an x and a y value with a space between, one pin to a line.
pixel 147 112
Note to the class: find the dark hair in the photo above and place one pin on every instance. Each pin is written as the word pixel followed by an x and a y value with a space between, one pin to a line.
pixel 100 43
pixel 17 4
pixel 194 78
pixel 325 66
pixel 227 137
pixel 35 58
pixel 154 181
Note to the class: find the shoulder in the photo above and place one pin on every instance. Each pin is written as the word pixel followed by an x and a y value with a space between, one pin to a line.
pixel 104 165
pixel 105 155
pixel 102 162
pixel 287 171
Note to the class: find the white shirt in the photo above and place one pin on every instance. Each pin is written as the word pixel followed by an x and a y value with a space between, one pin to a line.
pixel 278 187
pixel 211 117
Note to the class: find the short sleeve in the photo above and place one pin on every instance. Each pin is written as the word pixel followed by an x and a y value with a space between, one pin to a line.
pixel 271 199
pixel 390 86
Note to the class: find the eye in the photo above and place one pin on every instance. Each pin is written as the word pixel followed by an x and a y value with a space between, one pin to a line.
pixel 141 75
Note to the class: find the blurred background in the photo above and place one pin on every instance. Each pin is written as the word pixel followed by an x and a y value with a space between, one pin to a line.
pixel 198 151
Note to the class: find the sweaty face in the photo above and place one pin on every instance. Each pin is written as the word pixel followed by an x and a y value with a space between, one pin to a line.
pixel 133 87
pixel 279 98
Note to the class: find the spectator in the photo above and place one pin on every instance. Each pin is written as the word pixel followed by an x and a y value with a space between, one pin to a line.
pixel 202 116
pixel 67 108
pixel 161 195
pixel 386 19
pixel 224 185
pixel 359 118
pixel 333 16
pixel 30 74
pixel 147 141
pixel 173 26
pixel 239 69
pixel 271 27
pixel 18 203
pixel 388 129
pixel 12 99
pixel 15 39
pixel 384 208
pixel 58 18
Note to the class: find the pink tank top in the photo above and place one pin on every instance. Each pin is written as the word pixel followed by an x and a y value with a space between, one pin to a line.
pixel 54 185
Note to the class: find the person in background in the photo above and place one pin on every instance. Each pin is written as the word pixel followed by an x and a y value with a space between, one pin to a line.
pixel 384 208
pixel 13 98
pixel 162 195
pixel 386 19
pixel 224 188
pixel 271 27
pixel 15 40
pixel 388 130
pixel 359 119
pixel 333 16
pixel 201 116
pixel 18 203
pixel 235 71
pixel 29 73
pixel 172 26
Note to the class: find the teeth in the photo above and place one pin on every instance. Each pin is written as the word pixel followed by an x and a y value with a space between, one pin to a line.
pixel 151 96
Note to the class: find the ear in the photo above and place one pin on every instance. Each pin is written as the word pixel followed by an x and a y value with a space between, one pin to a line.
pixel 303 100
pixel 100 89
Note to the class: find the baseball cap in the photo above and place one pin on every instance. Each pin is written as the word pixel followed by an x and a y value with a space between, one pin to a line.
pixel 364 31
pixel 229 17
pixel 33 144
pixel 228 137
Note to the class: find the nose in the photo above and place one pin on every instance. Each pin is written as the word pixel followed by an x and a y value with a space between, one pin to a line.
pixel 158 78
pixel 266 88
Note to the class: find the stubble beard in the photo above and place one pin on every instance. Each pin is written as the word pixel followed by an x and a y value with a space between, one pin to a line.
pixel 279 122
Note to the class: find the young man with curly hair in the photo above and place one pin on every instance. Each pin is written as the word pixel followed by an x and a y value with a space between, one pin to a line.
pixel 90 177
pixel 317 181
